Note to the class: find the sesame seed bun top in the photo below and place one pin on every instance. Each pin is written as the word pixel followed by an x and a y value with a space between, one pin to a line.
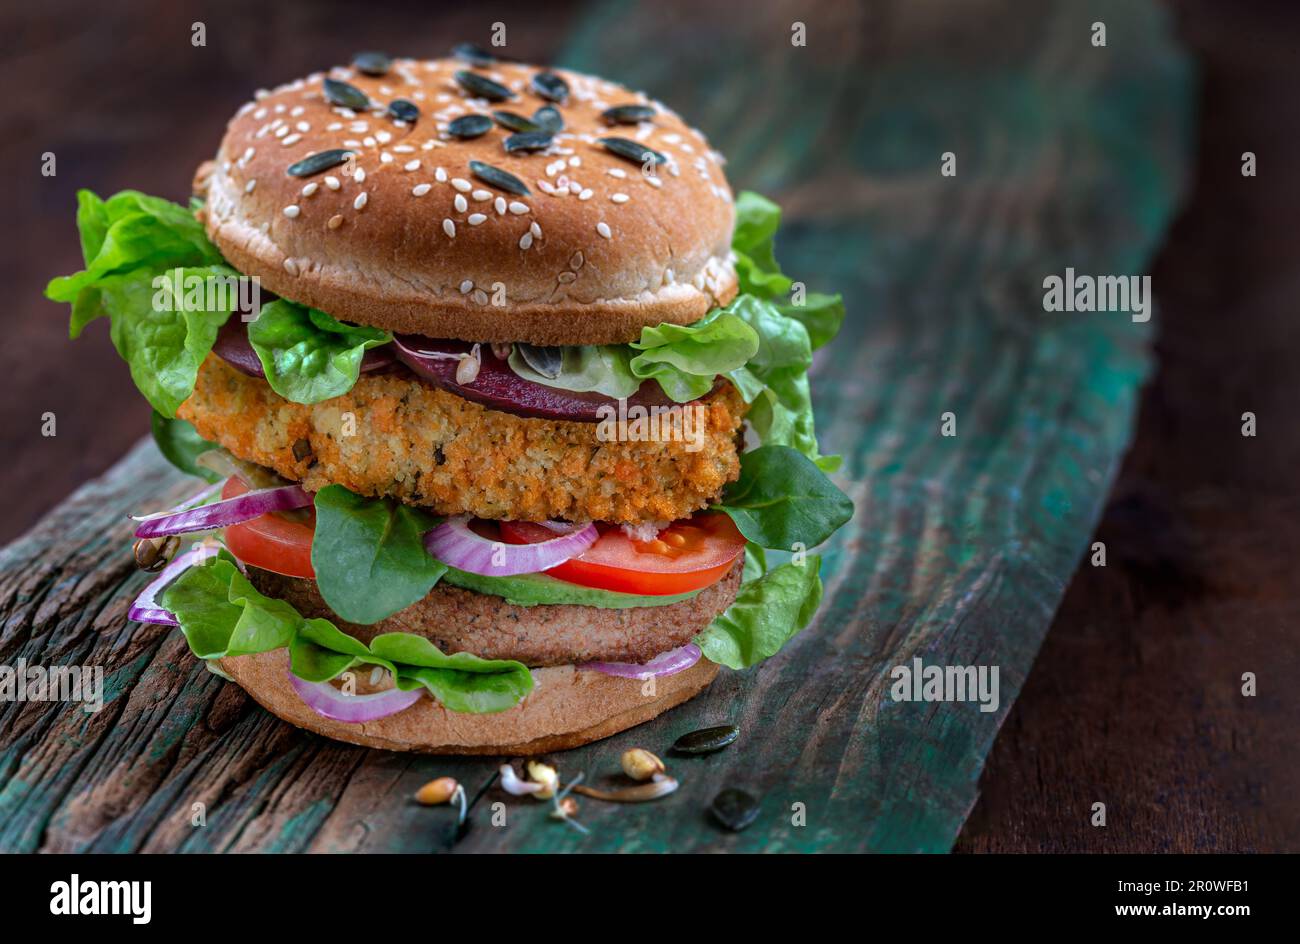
pixel 406 235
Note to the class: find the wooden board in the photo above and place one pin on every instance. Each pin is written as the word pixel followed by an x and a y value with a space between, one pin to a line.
pixel 961 548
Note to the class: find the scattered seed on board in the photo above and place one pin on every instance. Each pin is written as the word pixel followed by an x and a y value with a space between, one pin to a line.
pixel 707 740
pixel 640 764
pixel 436 792
pixel 734 809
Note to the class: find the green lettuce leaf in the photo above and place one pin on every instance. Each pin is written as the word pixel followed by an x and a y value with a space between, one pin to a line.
pixel 783 500
pixel 369 555
pixel 181 444
pixel 129 243
pixel 307 355
pixel 765 616
pixel 685 359
pixel 757 220
pixel 221 614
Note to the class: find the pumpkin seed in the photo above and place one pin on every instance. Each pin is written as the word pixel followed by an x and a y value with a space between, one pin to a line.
pixel 547 361
pixel 473 54
pixel 498 178
pixel 480 86
pixel 628 114
pixel 734 809
pixel 707 740
pixel 631 150
pixel 321 160
pixel 470 126
pixel 551 87
pixel 528 141
pixel 548 117
pixel 403 110
pixel 345 95
pixel 513 122
pixel 372 63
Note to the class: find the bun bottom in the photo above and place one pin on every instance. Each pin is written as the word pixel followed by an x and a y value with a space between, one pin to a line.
pixel 566 709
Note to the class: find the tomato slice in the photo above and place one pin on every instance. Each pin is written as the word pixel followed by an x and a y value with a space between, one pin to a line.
pixel 687 555
pixel 272 542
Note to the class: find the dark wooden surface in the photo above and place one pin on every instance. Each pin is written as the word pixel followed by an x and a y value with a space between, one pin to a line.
pixel 1148 726
pixel 1135 700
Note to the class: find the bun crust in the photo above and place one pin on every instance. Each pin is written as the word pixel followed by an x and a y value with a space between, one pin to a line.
pixel 414 242
pixel 567 708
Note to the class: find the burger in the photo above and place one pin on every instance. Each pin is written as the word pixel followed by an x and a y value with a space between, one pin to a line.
pixel 499 395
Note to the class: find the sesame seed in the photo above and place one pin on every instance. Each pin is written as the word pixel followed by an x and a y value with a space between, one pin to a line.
pixel 292 139
pixel 440 175
pixel 360 175
pixel 335 221
pixel 575 162
pixel 248 187
pixel 466 287
pixel 525 240
pixel 481 297
pixel 535 229
pixel 654 181
pixel 476 218
pixel 420 190
pixel 617 172
pixel 566 277
pixel 281 131
pixel 311 188
pixel 603 229
pixel 351 142
pixel 500 204
pixel 290 266
pixel 403 149
pixel 481 195
pixel 576 188
pixel 368 140
pixel 411 165
pixel 291 211
pixel 449 228
pixel 619 197
pixel 302 126
pixel 461 203
pixel 332 182
pixel 585 194
pixel 360 201
pixel 461 184
pixel 517 208
pixel 383 137
pixel 385 158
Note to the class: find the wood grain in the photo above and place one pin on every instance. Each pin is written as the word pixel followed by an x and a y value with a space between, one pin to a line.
pixel 961 548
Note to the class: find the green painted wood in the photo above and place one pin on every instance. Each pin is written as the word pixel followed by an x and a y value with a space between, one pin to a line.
pixel 961 548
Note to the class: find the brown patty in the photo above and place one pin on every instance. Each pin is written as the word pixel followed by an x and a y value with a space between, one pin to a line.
pixel 458 620
pixel 394 435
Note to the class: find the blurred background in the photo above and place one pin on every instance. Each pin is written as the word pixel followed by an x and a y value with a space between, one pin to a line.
pixel 1210 525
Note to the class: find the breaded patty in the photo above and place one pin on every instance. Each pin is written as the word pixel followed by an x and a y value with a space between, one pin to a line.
pixel 458 620
pixel 397 436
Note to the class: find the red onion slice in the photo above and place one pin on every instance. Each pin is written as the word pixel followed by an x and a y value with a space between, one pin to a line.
pixel 243 507
pixel 329 702
pixel 198 498
pixel 453 543
pixel 666 663
pixel 146 609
